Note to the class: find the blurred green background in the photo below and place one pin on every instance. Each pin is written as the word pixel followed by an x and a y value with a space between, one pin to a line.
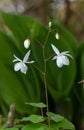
pixel 30 19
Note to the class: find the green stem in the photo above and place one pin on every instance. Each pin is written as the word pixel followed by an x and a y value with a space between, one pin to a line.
pixel 44 73
pixel 45 79
pixel 49 57
pixel 37 69
pixel 45 84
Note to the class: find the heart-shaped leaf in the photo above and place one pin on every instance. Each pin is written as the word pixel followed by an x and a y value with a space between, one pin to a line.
pixel 39 105
pixel 34 118
pixel 55 117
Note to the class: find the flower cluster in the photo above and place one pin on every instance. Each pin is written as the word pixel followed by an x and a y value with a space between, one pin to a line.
pixel 60 57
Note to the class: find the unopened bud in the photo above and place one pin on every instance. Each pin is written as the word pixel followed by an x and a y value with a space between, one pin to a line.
pixel 57 35
pixel 27 43
pixel 49 24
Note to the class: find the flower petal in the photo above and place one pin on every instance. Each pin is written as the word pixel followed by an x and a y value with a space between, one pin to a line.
pixel 17 66
pixel 59 61
pixel 24 68
pixel 65 60
pixel 26 57
pixel 55 49
pixel 64 52
pixel 16 59
pixel 54 58
pixel 69 55
pixel 30 62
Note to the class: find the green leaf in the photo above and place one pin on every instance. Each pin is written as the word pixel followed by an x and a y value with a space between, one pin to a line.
pixel 55 117
pixel 59 81
pixel 16 86
pixel 64 125
pixel 11 128
pixel 81 60
pixel 34 118
pixel 61 122
pixel 36 126
pixel 41 128
pixel 79 90
pixel 44 127
pixel 40 105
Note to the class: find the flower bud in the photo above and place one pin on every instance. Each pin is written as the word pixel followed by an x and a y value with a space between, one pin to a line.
pixel 49 24
pixel 27 43
pixel 57 35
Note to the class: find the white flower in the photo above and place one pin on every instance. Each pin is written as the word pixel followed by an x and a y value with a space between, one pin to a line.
pixel 61 58
pixel 27 43
pixel 21 64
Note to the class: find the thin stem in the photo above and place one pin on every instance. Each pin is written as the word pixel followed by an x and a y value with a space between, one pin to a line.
pixel 38 69
pixel 46 91
pixel 46 39
pixel 53 30
pixel 45 79
pixel 49 58
pixel 44 74
pixel 39 43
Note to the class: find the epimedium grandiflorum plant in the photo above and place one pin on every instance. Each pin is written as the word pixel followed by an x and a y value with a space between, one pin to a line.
pixel 42 40
pixel 50 121
pixel 58 86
